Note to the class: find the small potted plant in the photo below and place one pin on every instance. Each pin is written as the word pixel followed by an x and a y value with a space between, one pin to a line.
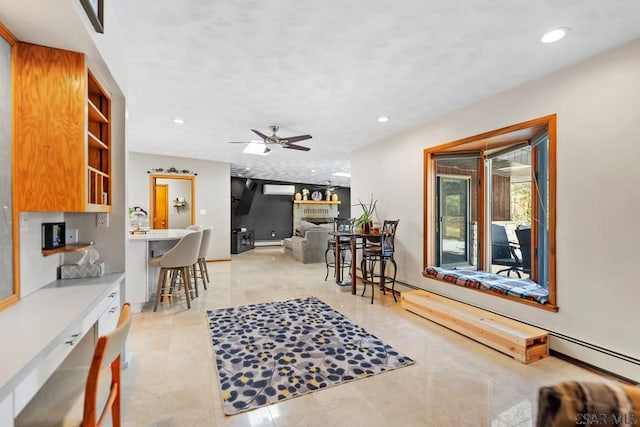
pixel 366 219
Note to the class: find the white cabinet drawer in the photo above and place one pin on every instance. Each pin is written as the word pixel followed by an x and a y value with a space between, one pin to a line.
pixel 113 296
pixel 110 313
pixel 109 319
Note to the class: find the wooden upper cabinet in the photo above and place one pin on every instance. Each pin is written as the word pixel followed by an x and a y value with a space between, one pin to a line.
pixel 62 133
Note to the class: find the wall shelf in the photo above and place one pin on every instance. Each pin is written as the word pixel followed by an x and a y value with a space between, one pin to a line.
pixel 77 247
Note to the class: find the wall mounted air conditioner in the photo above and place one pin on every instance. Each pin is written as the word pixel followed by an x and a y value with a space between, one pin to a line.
pixel 278 190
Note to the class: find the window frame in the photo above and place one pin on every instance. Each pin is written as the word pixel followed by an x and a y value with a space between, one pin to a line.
pixel 494 139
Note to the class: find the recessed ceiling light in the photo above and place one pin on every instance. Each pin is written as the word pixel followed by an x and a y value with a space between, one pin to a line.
pixel 178 121
pixel 257 149
pixel 344 174
pixel 383 119
pixel 554 35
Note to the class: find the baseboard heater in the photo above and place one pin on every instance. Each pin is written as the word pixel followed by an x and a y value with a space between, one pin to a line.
pixel 611 362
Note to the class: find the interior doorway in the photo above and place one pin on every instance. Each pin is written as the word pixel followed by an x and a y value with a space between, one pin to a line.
pixel 172 201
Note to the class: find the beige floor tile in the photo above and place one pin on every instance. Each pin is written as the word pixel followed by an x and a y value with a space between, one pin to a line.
pixel 172 380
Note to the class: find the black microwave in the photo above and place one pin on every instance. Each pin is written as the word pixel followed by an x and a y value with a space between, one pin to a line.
pixel 53 235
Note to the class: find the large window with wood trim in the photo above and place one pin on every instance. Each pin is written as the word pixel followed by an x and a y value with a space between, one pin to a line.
pixel 490 207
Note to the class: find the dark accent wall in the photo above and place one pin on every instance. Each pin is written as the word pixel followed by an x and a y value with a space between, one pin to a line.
pixel 269 214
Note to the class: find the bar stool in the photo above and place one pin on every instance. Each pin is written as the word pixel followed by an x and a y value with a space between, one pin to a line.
pixel 200 269
pixel 71 395
pixel 383 254
pixel 345 225
pixel 179 261
pixel 194 227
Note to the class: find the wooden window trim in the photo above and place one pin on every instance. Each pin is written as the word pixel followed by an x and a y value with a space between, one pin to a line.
pixel 496 138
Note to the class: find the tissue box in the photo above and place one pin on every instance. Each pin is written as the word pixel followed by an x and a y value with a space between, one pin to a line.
pixel 77 271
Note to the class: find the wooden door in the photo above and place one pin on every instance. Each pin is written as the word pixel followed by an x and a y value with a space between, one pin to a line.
pixel 161 207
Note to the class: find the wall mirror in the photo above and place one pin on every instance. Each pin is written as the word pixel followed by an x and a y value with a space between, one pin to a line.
pixel 9 262
pixel 172 201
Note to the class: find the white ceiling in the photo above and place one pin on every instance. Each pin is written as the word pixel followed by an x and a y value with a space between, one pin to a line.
pixel 330 68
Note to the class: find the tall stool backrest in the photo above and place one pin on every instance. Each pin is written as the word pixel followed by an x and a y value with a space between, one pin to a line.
pixel 206 239
pixel 194 227
pixel 184 253
pixel 388 237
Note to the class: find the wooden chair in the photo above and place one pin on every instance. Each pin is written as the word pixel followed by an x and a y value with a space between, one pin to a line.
pixel 179 261
pixel 380 253
pixel 81 397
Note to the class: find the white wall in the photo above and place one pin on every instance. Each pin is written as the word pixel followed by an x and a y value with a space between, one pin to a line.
pixel 212 193
pixel 597 104
pixel 178 188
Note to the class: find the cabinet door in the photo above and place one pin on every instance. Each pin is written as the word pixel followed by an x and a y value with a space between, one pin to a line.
pixel 50 89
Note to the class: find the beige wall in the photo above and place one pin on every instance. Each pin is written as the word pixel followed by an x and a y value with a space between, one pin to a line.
pixel 212 193
pixel 597 104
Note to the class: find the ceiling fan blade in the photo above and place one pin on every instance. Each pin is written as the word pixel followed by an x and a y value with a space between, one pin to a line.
pixel 296 138
pixel 260 134
pixel 296 147
pixel 238 142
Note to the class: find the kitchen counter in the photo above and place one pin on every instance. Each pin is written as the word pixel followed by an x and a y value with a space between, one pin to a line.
pixel 142 279
pixel 157 235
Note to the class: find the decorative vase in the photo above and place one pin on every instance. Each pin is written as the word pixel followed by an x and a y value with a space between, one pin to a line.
pixel 367 227
pixel 298 196
pixel 304 198
pixel 334 197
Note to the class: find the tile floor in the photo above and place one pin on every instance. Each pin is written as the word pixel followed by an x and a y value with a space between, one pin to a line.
pixel 455 381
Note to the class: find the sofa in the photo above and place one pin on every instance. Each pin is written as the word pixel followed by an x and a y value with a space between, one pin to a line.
pixel 309 242
pixel 574 403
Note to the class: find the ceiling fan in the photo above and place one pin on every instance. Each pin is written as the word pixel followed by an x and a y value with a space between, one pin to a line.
pixel 285 142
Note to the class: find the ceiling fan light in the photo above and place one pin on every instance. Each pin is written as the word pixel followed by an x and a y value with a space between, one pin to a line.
pixel 257 149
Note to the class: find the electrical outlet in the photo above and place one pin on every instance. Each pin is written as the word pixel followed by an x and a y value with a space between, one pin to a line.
pixel 71 235
pixel 273 234
pixel 102 220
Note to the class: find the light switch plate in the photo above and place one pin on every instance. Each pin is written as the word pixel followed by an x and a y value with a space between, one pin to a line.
pixel 71 235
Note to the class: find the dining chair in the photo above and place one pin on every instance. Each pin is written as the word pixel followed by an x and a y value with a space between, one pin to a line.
pixel 178 261
pixel 344 225
pixel 200 270
pixel 383 253
pixel 86 395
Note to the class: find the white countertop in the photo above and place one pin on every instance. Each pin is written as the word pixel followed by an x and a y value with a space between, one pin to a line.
pixel 153 235
pixel 32 326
